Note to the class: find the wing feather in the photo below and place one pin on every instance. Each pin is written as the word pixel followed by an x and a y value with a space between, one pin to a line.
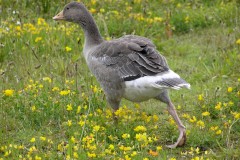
pixel 132 57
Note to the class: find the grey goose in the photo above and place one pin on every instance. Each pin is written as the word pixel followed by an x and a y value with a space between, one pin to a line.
pixel 129 67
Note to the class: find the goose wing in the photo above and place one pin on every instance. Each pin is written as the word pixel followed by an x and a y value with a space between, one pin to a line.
pixel 131 57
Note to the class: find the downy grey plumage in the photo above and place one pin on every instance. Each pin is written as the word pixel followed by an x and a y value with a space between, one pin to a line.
pixel 129 67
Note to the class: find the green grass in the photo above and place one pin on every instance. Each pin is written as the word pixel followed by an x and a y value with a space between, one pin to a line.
pixel 57 101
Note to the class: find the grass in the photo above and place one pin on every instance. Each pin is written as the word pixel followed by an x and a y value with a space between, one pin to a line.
pixel 51 107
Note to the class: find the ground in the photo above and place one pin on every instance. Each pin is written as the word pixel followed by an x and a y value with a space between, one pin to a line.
pixel 53 108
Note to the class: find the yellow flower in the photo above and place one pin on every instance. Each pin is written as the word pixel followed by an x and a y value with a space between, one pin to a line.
pixel 92 10
pixel 37 158
pixel 197 150
pixel 159 148
pixel 68 157
pixel 38 39
pixel 40 86
pixel 171 121
pixel 81 123
pixel 72 139
pixel 108 38
pixel 155 118
pixel 91 155
pixel 32 140
pixel 107 151
pixel 75 148
pixel 184 153
pixel 94 88
pixel 33 108
pixel 238 42
pixel 64 92
pixel 55 89
pixel 140 129
pixel 186 115
pixel 43 138
pixel 141 137
pixel 218 106
pixel 96 128
pixel 179 5
pixel 92 147
pixel 125 136
pixel 219 132
pixel 115 12
pixel 200 97
pixel 197 158
pixel 47 79
pixel 236 115
pixel 186 19
pixel 214 128
pixel 50 141
pixel 41 21
pixel 134 153
pixel 172 159
pixel 93 2
pixel 75 155
pixel 125 148
pixel 20 147
pixel 102 10
pixel 230 103
pixel 230 89
pixel 137 1
pixel 32 149
pixel 8 92
pixel 158 19
pixel 127 157
pixel 18 28
pixel 79 109
pixel 68 49
pixel 111 147
pixel 205 113
pixel 69 123
pixel 7 153
pixel 193 119
pixel 200 124
pixel 153 153
pixel 69 107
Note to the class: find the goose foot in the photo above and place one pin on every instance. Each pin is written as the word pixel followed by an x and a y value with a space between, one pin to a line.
pixel 181 140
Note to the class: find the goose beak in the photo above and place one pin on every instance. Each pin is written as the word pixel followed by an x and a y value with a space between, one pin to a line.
pixel 59 16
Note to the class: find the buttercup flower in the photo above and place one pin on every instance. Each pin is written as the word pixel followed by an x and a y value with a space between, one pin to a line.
pixel 33 140
pixel 69 107
pixel 238 42
pixel 38 39
pixel 229 89
pixel 200 97
pixel 218 132
pixel 68 49
pixel 205 113
pixel 125 136
pixel 140 129
pixel 8 92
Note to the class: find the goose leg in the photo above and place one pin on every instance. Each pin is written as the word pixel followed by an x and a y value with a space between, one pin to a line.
pixel 164 97
pixel 182 136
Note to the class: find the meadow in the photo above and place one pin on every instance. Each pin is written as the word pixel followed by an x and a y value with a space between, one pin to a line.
pixel 51 106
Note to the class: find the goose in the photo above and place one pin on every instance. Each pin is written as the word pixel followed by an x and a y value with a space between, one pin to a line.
pixel 129 67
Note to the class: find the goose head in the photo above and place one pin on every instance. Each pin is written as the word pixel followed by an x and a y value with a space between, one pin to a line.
pixel 73 12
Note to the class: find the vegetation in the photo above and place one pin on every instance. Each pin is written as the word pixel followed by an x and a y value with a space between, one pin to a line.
pixel 51 107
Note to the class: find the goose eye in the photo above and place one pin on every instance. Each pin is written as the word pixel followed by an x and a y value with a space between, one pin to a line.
pixel 67 8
